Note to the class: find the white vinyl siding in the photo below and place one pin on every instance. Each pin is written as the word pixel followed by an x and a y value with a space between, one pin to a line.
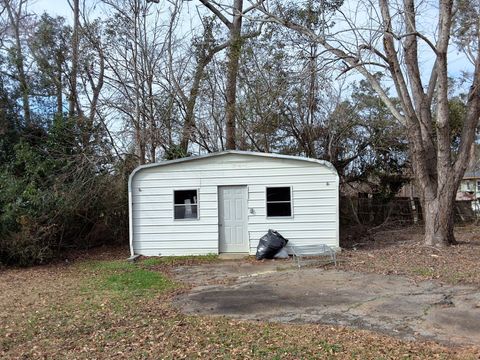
pixel 314 200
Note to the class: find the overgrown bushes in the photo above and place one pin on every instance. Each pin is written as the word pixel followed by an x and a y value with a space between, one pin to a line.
pixel 59 190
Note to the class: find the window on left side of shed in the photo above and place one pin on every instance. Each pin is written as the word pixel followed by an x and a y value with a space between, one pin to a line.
pixel 185 203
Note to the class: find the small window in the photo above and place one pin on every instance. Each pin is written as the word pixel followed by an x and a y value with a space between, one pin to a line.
pixel 478 185
pixel 185 204
pixel 279 201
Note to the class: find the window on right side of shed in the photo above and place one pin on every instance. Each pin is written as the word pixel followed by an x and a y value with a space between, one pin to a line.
pixel 279 201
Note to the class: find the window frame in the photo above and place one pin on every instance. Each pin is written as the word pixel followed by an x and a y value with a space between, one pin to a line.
pixel 197 190
pixel 477 185
pixel 267 202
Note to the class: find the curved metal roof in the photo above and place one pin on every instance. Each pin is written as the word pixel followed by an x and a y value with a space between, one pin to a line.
pixel 238 152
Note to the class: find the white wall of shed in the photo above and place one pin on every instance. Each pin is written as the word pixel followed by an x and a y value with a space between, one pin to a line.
pixel 155 232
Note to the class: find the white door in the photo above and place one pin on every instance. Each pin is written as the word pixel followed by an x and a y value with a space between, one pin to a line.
pixel 232 219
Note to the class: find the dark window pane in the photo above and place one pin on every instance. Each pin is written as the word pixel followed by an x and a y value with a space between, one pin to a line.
pixel 182 197
pixel 279 209
pixel 186 212
pixel 278 194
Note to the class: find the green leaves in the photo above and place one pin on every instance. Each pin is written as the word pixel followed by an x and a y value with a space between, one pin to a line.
pixel 52 196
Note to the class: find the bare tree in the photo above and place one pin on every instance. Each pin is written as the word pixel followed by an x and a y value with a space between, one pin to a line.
pixel 234 26
pixel 73 96
pixel 136 87
pixel 186 80
pixel 15 10
pixel 92 74
pixel 236 40
pixel 210 134
pixel 205 54
pixel 423 100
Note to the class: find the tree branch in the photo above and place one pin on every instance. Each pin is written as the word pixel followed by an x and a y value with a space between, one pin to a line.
pixel 216 12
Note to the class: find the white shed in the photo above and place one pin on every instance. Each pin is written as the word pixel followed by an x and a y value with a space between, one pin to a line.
pixel 224 202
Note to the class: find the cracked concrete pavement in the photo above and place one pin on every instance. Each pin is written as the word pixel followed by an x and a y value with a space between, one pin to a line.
pixel 389 304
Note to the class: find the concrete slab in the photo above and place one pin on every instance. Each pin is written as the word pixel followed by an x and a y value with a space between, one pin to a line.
pixel 389 304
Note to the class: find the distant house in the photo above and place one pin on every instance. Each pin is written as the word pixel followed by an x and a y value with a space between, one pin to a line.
pixel 469 189
pixel 471 180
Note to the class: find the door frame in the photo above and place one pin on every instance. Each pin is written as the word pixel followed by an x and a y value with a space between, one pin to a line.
pixel 246 233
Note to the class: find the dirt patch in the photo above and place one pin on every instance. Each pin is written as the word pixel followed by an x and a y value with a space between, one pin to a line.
pixel 228 271
pixel 401 252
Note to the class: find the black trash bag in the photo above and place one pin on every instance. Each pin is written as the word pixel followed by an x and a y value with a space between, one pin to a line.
pixel 270 244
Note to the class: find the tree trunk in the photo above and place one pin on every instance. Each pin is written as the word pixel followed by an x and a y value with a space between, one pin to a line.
pixel 14 17
pixel 57 78
pixel 72 99
pixel 24 88
pixel 204 58
pixel 235 48
pixel 189 124
pixel 59 93
pixel 232 72
pixel 98 87
pixel 141 129
pixel 439 219
pixel 140 145
pixel 437 193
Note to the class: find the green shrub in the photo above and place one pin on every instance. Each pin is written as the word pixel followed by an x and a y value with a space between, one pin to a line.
pixel 56 194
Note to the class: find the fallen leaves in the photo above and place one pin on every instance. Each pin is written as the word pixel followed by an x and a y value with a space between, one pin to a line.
pixel 52 313
pixel 401 252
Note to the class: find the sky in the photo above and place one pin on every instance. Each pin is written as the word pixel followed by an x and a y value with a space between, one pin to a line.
pixel 53 7
pixel 457 61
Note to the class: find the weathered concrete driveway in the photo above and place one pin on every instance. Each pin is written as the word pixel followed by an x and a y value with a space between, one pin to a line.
pixel 390 304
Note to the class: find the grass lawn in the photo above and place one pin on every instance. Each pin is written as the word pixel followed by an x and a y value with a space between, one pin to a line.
pixel 104 307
